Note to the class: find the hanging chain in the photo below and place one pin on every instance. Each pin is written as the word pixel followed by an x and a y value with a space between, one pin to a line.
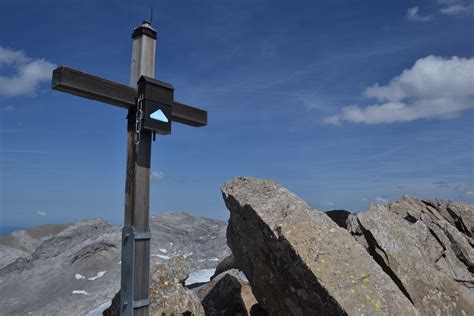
pixel 138 121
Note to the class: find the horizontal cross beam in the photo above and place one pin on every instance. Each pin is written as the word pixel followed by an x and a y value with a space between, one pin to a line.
pixel 79 83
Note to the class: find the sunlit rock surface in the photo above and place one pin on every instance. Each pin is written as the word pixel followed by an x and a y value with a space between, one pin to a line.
pixel 300 262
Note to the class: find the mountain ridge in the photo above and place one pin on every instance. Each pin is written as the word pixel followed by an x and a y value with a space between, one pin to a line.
pixel 76 266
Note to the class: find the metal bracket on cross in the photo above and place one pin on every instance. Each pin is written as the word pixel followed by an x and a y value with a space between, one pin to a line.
pixel 129 237
pixel 157 104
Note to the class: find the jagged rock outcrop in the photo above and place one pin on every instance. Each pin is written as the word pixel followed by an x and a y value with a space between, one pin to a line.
pixel 298 261
pixel 228 294
pixel 168 296
pixel 75 268
pixel 460 215
pixel 430 259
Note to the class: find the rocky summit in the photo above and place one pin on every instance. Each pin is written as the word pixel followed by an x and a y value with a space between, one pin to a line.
pixel 300 262
pixel 407 257
pixel 410 257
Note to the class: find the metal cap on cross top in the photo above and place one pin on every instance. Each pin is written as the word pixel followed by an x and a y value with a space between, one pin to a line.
pixel 144 29
pixel 151 108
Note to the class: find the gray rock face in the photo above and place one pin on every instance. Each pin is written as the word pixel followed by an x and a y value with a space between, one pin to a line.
pixel 71 269
pixel 228 294
pixel 298 261
pixel 428 258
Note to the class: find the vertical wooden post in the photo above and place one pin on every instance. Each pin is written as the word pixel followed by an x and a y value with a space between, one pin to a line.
pixel 137 186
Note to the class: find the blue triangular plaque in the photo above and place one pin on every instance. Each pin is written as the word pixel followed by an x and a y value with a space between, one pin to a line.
pixel 159 116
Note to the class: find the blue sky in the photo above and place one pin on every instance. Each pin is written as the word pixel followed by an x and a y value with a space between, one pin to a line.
pixel 343 102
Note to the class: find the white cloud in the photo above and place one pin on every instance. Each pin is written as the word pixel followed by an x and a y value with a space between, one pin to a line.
pixel 157 176
pixel 434 87
pixel 27 75
pixel 41 213
pixel 456 9
pixel 446 7
pixel 414 16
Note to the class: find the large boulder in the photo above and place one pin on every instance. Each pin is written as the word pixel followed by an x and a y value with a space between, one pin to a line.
pixel 227 294
pixel 168 296
pixel 298 261
pixel 430 260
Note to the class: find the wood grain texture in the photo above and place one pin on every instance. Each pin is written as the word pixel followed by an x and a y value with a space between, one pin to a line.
pixel 137 188
pixel 82 84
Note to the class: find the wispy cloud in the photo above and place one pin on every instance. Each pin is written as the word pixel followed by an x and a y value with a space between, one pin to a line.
pixel 434 87
pixel 457 9
pixel 41 213
pixel 413 15
pixel 157 176
pixel 27 75
pixel 446 7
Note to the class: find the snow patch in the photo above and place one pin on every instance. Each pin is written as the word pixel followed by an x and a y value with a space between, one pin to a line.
pixel 99 275
pixel 79 276
pixel 214 259
pixel 162 257
pixel 163 250
pixel 80 292
pixel 200 276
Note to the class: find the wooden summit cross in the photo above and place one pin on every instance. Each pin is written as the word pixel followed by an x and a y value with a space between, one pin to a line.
pixel 151 109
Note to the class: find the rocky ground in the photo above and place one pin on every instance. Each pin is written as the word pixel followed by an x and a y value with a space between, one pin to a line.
pixel 409 257
pixel 74 268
